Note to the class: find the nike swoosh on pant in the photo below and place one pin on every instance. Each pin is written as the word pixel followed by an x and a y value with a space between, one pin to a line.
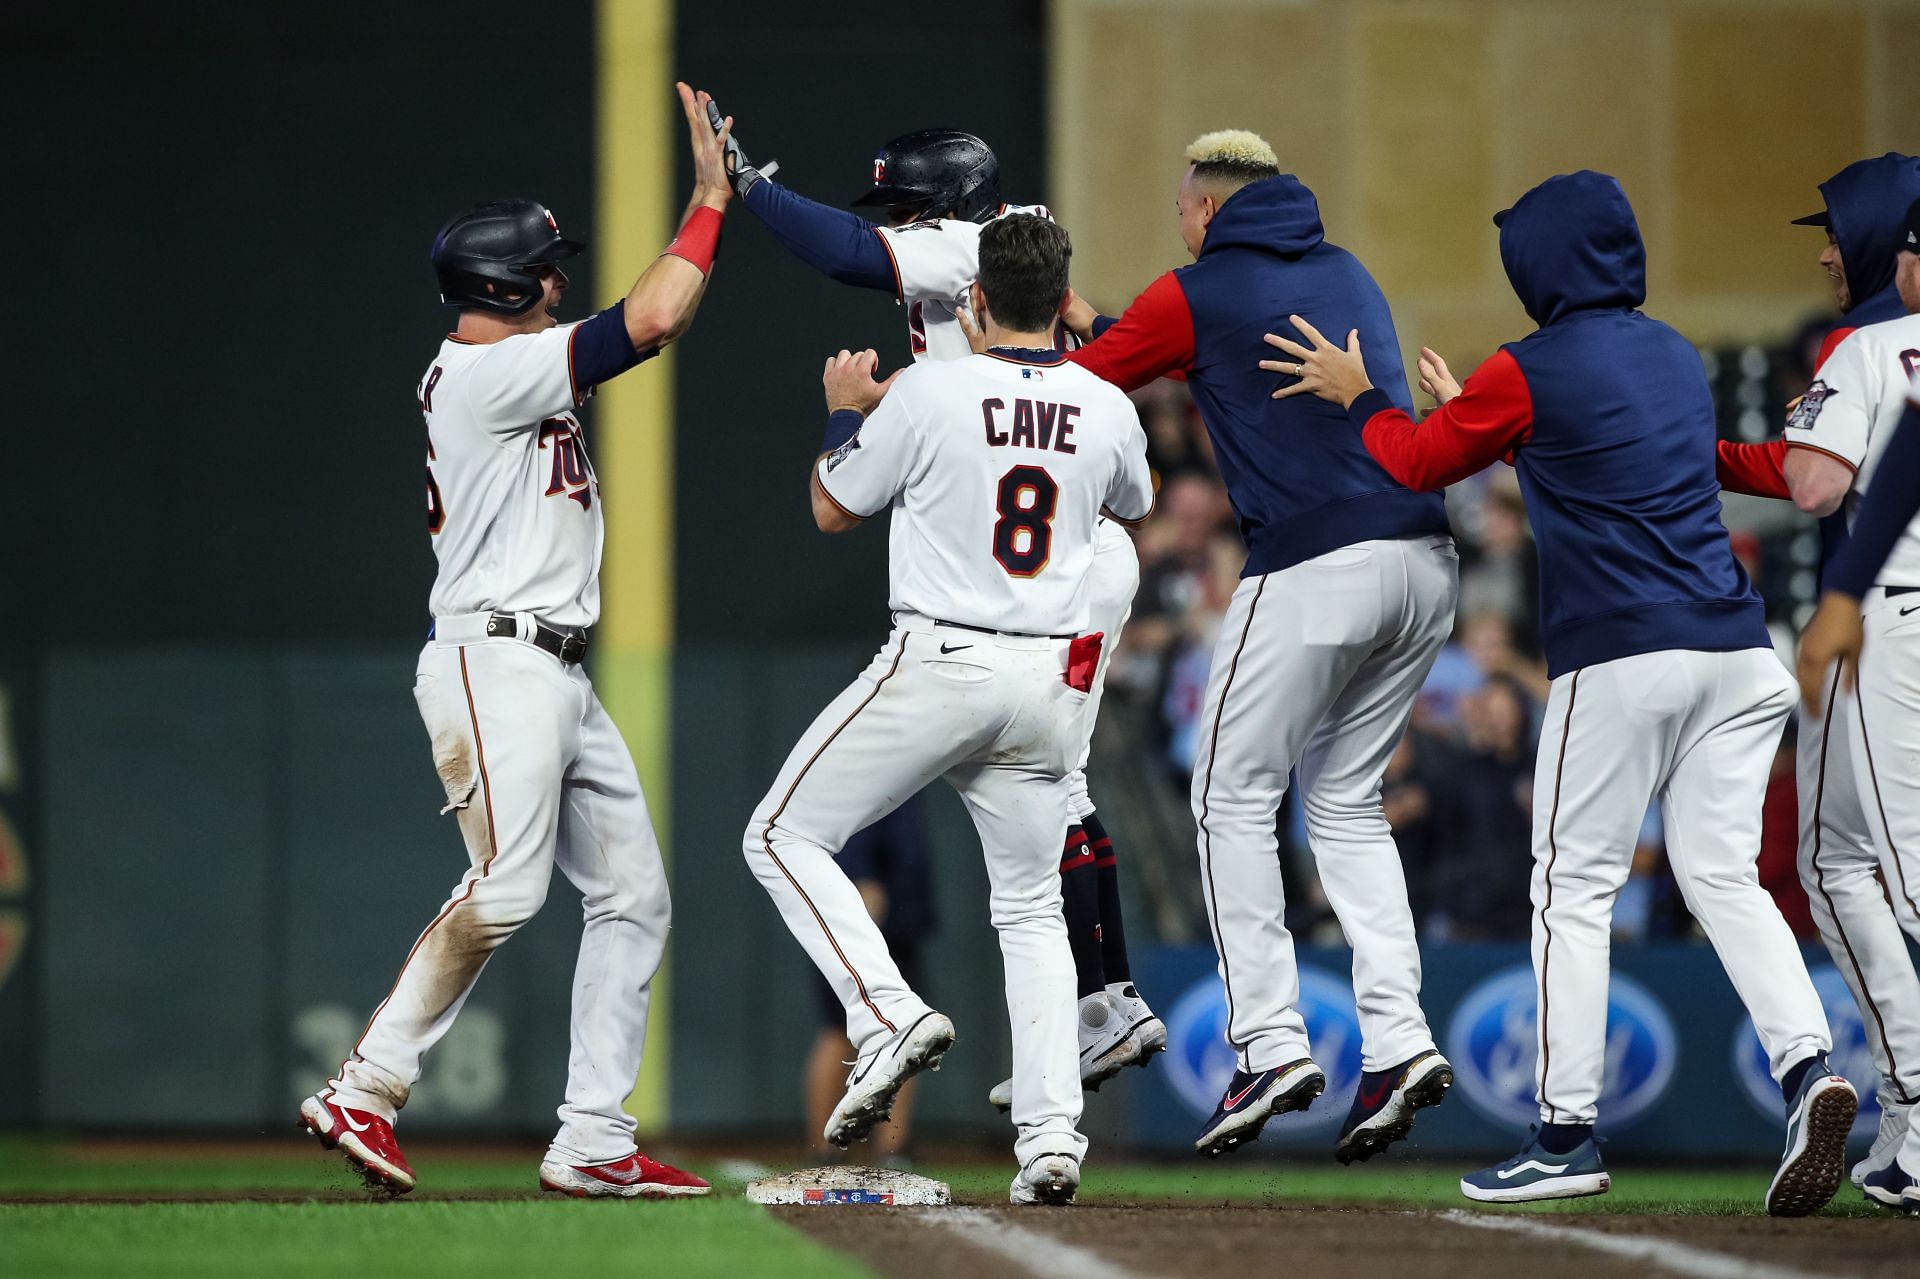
pixel 1533 1165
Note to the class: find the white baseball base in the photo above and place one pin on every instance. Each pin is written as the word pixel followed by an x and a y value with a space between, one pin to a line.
pixel 877 1187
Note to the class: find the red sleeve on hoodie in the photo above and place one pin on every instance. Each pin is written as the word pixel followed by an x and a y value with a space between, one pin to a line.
pixel 1490 418
pixel 1154 337
pixel 1761 469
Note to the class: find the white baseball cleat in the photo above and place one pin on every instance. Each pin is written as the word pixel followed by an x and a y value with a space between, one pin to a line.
pixel 1894 1122
pixel 1117 1030
pixel 1046 1179
pixel 876 1081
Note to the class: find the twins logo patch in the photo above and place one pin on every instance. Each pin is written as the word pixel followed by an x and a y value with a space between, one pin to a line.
pixel 1852 1054
pixel 845 451
pixel 1200 1063
pixel 1807 408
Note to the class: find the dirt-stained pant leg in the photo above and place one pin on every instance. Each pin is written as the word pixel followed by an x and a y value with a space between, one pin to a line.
pixel 504 722
pixel 608 851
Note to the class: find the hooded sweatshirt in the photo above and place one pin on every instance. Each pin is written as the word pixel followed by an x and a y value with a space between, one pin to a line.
pixel 1607 417
pixel 1299 489
pixel 1866 204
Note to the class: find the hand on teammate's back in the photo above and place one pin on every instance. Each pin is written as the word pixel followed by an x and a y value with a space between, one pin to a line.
pixel 712 186
pixel 976 333
pixel 848 379
pixel 1323 369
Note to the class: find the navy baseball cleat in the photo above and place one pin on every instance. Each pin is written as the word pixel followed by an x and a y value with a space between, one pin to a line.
pixel 1252 1099
pixel 1891 1187
pixel 1383 1105
pixel 1818 1122
pixel 1535 1174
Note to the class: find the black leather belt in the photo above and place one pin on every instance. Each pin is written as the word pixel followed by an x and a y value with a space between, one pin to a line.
pixel 987 630
pixel 569 646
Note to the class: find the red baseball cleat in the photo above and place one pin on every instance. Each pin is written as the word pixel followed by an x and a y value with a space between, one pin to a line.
pixel 363 1137
pixel 634 1176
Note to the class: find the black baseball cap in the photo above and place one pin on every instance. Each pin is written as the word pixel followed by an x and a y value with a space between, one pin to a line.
pixel 1813 219
pixel 1910 230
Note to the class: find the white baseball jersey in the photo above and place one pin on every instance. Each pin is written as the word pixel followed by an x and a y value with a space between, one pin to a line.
pixel 512 501
pixel 996 470
pixel 1850 412
pixel 934 264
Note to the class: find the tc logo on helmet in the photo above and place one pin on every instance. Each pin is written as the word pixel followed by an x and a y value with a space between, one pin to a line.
pixel 1851 1055
pixel 879 176
pixel 551 224
pixel 1200 1063
pixel 1492 1043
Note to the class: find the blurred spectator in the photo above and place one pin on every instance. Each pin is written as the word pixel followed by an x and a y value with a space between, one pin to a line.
pixel 1481 809
pixel 1501 573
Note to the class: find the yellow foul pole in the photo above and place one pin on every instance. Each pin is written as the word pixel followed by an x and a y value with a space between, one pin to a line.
pixel 633 437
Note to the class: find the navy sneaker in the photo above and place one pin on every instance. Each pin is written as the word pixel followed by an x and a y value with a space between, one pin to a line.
pixel 1891 1187
pixel 1818 1122
pixel 1535 1174
pixel 1251 1100
pixel 1383 1105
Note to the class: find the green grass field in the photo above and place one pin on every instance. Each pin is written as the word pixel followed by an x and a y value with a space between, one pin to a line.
pixel 723 1234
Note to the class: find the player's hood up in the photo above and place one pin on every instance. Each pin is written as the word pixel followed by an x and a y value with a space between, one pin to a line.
pixel 1867 205
pixel 1572 244
pixel 1278 215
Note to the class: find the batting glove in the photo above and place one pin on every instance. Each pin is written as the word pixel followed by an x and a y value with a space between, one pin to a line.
pixel 741 169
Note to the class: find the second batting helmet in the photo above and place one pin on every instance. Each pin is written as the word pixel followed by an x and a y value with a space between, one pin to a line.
pixel 942 171
pixel 484 255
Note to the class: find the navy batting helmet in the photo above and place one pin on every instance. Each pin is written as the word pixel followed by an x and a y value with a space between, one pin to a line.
pixel 484 255
pixel 940 171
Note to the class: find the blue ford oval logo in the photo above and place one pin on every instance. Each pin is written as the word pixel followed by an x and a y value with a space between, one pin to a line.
pixel 1850 1056
pixel 1491 1042
pixel 1200 1064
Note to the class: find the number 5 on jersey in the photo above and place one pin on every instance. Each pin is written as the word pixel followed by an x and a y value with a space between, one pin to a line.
pixel 1023 535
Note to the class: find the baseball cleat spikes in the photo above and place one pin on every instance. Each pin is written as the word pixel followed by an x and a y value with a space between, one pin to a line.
pixel 1252 1099
pixel 875 1082
pixel 1385 1102
pixel 1815 1161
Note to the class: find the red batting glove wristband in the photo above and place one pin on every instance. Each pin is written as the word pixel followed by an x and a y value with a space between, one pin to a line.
pixel 699 238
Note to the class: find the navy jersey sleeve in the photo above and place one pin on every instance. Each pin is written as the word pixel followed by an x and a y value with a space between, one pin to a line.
pixel 838 244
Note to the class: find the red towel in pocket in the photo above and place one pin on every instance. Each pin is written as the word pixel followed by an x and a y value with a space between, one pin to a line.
pixel 1083 658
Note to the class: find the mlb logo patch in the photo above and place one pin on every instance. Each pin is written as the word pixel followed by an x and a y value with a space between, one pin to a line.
pixel 1035 375
pixel 1806 410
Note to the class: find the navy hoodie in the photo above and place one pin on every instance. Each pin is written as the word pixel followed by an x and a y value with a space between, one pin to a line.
pixel 1866 202
pixel 1299 489
pixel 1607 417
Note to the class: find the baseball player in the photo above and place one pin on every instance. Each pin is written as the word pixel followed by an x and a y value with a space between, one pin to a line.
pixel 936 189
pixel 535 772
pixel 1664 678
pixel 1346 598
pixel 995 469
pixel 1848 415
pixel 1839 854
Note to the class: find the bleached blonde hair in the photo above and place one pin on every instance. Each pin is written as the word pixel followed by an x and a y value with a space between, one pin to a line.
pixel 1233 151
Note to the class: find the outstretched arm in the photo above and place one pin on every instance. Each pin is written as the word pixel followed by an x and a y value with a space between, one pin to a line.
pixel 840 245
pixel 1475 426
